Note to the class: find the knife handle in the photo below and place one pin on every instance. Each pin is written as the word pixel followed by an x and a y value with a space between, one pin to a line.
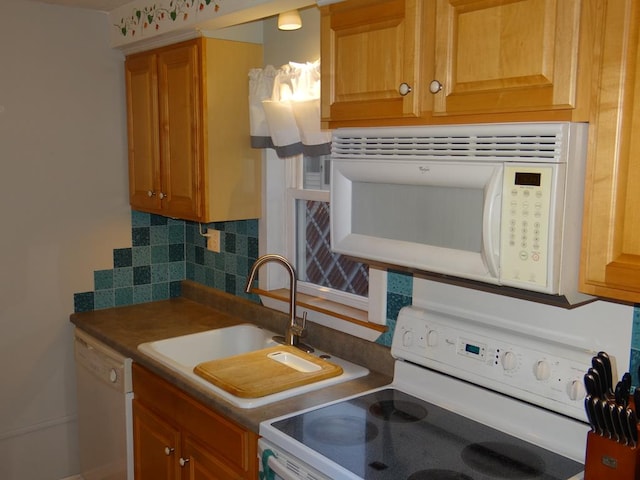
pixel 633 426
pixel 606 360
pixel 591 414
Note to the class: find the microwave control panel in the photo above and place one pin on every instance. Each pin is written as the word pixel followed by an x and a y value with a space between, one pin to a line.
pixel 524 235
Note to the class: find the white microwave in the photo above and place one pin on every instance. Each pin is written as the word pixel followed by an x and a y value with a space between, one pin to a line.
pixel 496 203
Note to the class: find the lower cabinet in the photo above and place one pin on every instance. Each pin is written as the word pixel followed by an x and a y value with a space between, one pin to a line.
pixel 176 437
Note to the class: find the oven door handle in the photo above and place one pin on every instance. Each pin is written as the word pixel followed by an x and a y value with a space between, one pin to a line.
pixel 279 469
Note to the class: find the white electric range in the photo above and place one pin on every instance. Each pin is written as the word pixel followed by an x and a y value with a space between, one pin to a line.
pixel 470 400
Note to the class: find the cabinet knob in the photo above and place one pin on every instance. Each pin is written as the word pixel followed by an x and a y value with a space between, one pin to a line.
pixel 435 86
pixel 150 193
pixel 162 195
pixel 404 89
pixel 168 451
pixel 183 461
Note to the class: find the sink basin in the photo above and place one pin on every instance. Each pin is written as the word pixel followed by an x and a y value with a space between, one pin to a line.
pixel 182 354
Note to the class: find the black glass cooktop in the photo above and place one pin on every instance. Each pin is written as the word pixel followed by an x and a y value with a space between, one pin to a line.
pixel 391 435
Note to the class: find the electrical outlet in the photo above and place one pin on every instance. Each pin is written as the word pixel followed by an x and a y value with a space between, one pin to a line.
pixel 213 240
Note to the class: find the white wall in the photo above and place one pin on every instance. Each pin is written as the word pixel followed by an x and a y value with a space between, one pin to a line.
pixel 63 198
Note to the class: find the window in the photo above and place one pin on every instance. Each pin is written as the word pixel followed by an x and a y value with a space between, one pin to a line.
pixel 352 295
pixel 321 272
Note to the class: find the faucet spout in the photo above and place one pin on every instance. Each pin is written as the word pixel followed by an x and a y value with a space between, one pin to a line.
pixel 294 329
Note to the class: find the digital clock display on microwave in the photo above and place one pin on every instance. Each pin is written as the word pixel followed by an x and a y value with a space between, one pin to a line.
pixel 529 179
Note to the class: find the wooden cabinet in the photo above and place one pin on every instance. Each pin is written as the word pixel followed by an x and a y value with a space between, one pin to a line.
pixel 369 49
pixel 176 437
pixel 465 61
pixel 188 131
pixel 611 227
pixel 497 56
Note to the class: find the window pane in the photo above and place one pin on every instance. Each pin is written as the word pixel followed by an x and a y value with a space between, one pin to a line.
pixel 316 263
pixel 316 172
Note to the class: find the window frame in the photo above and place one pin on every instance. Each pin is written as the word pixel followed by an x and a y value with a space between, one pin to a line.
pixel 282 186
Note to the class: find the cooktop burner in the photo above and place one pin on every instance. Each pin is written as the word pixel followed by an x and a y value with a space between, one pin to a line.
pixel 503 460
pixel 435 474
pixel 390 435
pixel 398 411
pixel 342 430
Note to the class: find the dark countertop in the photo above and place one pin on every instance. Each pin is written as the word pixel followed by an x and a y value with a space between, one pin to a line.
pixel 201 308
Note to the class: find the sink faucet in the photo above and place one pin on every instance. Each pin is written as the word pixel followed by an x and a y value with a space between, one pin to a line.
pixel 294 330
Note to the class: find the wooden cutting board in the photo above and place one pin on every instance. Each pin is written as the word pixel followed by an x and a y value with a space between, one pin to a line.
pixel 255 374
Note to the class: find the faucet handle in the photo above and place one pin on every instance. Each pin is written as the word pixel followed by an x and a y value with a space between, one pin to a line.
pixel 300 324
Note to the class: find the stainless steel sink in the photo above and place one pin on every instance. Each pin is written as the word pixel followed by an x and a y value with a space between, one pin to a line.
pixel 182 354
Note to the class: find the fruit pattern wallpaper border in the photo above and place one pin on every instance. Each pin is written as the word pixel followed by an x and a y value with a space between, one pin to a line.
pixel 158 15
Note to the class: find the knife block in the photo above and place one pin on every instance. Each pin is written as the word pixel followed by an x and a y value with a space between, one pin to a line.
pixel 608 459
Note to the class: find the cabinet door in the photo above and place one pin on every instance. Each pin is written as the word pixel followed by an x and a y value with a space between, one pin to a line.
pixel 142 130
pixel 611 227
pixel 203 464
pixel 506 56
pixel 369 49
pixel 180 130
pixel 155 446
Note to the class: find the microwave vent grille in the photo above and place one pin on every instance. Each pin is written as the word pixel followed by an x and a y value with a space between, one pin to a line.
pixel 529 142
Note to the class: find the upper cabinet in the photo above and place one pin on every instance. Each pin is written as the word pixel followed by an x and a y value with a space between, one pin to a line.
pixel 457 61
pixel 611 226
pixel 370 64
pixel 188 130
pixel 497 56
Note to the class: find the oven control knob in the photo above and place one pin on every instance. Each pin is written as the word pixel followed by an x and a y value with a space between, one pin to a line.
pixel 576 390
pixel 542 370
pixel 509 361
pixel 432 338
pixel 407 338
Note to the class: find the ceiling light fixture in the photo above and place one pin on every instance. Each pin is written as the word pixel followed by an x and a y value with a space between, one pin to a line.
pixel 289 20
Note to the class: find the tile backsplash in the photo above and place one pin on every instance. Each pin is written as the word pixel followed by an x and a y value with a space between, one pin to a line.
pixel 165 251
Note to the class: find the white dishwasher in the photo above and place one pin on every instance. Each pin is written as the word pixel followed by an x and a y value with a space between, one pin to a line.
pixel 104 410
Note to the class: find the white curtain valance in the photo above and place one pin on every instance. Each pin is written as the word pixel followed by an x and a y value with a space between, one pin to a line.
pixel 284 109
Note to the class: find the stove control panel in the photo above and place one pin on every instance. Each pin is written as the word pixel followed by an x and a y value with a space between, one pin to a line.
pixel 538 370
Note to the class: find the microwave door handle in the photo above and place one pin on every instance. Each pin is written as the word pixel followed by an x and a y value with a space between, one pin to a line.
pixel 491 222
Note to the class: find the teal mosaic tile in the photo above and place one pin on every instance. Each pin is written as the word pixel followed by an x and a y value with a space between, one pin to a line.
pixel 141 236
pixel 176 252
pixel 123 296
pixel 142 293
pixel 104 299
pixel 176 234
pixel 103 279
pixel 175 289
pixel 83 302
pixel 142 275
pixel 140 219
pixel 158 220
pixel 160 291
pixel 123 277
pixel 634 357
pixel 160 273
pixel 635 330
pixel 400 282
pixel 160 254
pixel 159 235
pixel 122 257
pixel 177 271
pixel 141 256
